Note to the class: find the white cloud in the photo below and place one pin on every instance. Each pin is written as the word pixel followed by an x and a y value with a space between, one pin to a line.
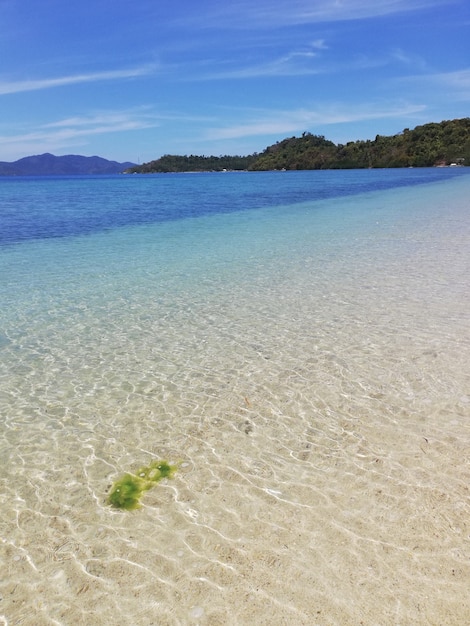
pixel 298 62
pixel 101 121
pixel 269 13
pixel 48 83
pixel 310 60
pixel 407 59
pixel 282 122
pixel 448 87
pixel 319 44
pixel 454 85
pixel 74 131
pixel 283 66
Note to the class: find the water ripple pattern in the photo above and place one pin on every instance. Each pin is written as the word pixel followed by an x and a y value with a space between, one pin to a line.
pixel 305 364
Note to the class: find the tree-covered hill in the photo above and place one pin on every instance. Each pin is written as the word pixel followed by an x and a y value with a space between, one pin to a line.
pixel 425 146
pixel 192 163
pixel 309 152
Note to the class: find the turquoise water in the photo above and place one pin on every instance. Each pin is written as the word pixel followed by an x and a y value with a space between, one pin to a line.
pixel 297 341
pixel 45 207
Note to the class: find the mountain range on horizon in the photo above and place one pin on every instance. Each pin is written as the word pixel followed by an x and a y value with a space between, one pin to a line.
pixel 72 164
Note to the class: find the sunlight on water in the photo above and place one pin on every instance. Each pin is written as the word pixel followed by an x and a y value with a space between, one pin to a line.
pixel 305 366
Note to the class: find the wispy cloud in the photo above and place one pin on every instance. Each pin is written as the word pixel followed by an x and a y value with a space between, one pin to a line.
pixel 101 122
pixel 283 66
pixel 319 44
pixel 454 85
pixel 407 59
pixel 269 14
pixel 48 83
pixel 313 60
pixel 297 62
pixel 282 122
pixel 78 131
pixel 74 131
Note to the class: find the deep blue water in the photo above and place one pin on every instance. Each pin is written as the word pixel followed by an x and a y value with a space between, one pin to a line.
pixel 49 207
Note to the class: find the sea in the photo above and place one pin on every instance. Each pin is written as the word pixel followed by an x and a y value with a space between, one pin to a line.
pixel 296 344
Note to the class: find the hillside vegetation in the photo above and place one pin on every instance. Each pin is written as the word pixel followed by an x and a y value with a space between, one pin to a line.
pixel 193 163
pixel 425 146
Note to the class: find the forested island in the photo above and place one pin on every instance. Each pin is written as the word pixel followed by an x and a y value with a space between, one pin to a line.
pixel 433 144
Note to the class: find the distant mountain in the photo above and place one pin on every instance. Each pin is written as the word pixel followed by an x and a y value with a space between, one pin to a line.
pixel 71 164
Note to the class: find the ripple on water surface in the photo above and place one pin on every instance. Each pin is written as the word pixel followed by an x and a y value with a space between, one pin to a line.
pixel 314 395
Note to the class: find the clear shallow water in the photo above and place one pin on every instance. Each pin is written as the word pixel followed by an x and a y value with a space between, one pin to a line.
pixel 301 351
pixel 44 207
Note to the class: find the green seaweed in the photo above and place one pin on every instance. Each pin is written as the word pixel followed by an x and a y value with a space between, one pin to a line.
pixel 156 471
pixel 127 491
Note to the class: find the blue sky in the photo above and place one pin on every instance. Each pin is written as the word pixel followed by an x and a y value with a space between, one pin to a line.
pixel 133 80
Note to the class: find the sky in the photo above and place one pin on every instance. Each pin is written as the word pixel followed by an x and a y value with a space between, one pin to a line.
pixel 134 80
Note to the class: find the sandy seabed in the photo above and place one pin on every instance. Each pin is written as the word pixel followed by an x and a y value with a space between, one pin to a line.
pixel 320 420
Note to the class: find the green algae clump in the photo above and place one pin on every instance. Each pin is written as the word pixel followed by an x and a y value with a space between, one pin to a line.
pixel 127 491
pixel 156 471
